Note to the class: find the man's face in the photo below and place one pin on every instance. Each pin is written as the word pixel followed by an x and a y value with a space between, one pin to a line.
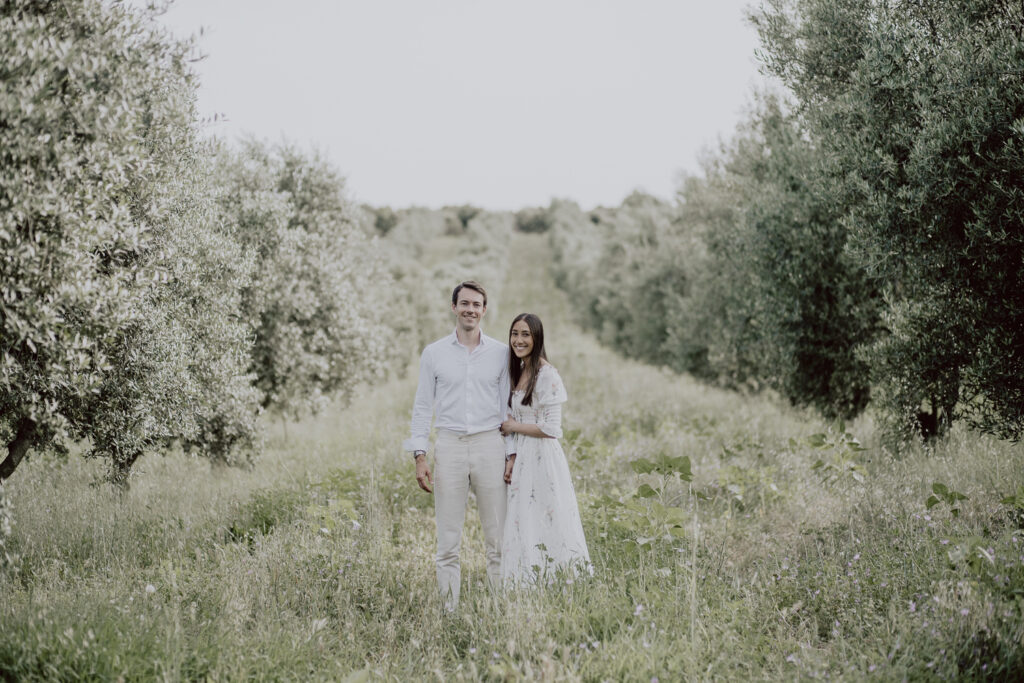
pixel 469 308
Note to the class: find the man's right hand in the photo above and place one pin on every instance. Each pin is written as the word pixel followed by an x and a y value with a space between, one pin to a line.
pixel 423 476
pixel 510 462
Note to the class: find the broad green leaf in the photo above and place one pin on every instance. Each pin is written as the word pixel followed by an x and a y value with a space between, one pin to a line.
pixel 642 466
pixel 646 491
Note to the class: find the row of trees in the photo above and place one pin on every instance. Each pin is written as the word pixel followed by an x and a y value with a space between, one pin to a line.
pixel 155 287
pixel 860 237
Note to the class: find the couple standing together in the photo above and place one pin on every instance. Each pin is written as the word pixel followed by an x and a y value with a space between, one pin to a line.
pixel 498 420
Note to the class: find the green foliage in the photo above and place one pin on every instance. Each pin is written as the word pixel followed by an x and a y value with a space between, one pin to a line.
pixel 577 446
pixel 651 513
pixel 748 282
pixel 748 487
pixel 101 314
pixel 457 218
pixel 629 273
pixel 265 509
pixel 576 245
pixel 426 260
pixel 1016 503
pixel 943 494
pixel 533 220
pixel 841 462
pixel 917 109
pixel 384 219
pixel 778 301
pixel 665 465
pixel 642 520
pixel 319 299
pixel 7 559
pixel 810 584
pixel 974 553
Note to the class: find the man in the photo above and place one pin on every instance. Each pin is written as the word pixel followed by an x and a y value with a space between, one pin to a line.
pixel 464 383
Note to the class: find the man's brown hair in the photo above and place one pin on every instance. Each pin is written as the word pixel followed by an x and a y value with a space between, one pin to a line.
pixel 469 284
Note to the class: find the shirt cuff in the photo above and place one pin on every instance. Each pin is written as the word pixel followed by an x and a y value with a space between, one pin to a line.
pixel 510 445
pixel 416 443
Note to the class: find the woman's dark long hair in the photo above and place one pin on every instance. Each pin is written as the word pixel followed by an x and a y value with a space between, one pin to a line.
pixel 516 366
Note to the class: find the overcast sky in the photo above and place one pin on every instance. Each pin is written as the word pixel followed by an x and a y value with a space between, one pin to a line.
pixel 497 103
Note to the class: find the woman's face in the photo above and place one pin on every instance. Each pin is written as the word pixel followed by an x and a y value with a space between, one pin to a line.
pixel 520 339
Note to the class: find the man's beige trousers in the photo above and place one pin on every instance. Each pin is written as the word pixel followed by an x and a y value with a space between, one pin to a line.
pixel 462 463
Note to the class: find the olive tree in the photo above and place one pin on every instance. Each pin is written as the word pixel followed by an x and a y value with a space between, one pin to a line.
pixel 918 108
pixel 320 299
pixel 779 300
pixel 108 251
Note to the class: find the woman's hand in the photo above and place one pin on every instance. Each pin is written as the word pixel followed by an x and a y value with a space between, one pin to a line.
pixel 509 426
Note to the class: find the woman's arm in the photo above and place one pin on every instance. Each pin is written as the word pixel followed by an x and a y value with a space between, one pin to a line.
pixel 510 426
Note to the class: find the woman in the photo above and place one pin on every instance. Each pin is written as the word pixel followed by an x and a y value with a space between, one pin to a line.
pixel 543 533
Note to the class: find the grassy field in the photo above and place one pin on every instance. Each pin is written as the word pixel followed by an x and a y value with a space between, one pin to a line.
pixel 793 552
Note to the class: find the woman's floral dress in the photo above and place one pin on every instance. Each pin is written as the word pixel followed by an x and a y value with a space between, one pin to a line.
pixel 543 537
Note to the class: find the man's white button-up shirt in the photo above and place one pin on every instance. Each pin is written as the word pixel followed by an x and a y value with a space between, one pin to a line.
pixel 466 390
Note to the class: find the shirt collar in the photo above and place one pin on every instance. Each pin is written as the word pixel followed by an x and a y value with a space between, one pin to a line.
pixel 454 336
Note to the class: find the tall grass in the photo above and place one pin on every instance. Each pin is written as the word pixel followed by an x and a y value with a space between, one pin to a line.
pixel 317 564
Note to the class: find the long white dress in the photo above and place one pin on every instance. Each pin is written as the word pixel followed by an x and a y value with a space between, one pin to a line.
pixel 543 537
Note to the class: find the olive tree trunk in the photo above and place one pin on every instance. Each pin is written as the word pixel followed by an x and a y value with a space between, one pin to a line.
pixel 18 447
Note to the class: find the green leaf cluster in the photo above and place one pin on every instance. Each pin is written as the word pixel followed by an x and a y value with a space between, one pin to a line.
pixel 665 465
pixel 319 282
pixel 746 282
pixel 117 294
pixel 917 111
pixel 943 494
pixel 629 268
pixel 651 513
pixel 154 287
pixel 841 461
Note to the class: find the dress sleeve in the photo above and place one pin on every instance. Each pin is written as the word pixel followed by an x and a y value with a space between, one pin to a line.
pixel 550 395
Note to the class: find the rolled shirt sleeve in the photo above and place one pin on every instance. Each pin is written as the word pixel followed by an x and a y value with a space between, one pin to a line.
pixel 423 405
pixel 504 393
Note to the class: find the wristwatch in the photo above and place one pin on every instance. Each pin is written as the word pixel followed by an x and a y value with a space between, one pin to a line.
pixel 416 454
